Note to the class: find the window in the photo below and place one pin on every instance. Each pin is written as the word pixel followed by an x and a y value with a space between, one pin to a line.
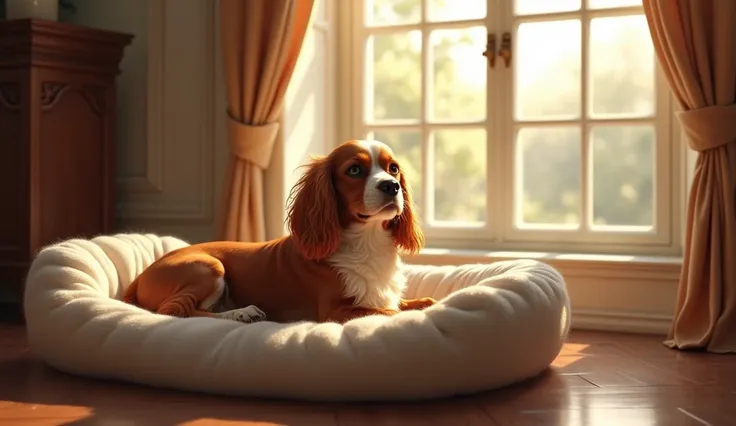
pixel 567 147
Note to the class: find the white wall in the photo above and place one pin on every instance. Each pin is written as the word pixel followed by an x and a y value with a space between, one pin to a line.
pixel 172 149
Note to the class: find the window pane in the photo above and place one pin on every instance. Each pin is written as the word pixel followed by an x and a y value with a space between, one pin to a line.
pixel 394 69
pixel 547 71
pixel 548 172
pixel 623 175
pixel 460 175
pixel 407 146
pixel 621 67
pixel 459 74
pixel 392 12
pixel 530 7
pixel 453 10
pixel 604 4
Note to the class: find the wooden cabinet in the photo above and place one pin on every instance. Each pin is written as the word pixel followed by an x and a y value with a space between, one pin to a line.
pixel 57 138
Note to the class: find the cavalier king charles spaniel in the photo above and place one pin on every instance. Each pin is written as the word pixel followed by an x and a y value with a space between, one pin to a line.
pixel 350 215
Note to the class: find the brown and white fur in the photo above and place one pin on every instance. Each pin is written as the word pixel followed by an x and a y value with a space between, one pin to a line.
pixel 350 216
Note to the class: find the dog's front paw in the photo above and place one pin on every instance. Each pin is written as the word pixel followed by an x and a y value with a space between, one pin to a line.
pixel 425 302
pixel 417 304
pixel 247 315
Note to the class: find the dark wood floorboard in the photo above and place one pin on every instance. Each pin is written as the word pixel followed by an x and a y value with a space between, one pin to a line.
pixel 598 379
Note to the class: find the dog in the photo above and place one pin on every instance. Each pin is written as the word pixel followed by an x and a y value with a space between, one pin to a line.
pixel 350 216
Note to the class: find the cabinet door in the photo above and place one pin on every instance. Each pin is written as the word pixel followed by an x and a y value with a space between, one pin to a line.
pixel 14 168
pixel 73 155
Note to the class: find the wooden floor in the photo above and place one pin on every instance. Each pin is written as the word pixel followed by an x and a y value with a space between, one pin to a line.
pixel 598 379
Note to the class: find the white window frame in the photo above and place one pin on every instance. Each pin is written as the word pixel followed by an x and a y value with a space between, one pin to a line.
pixel 499 232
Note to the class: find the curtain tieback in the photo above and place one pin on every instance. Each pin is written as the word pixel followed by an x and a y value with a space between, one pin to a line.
pixel 252 143
pixel 709 127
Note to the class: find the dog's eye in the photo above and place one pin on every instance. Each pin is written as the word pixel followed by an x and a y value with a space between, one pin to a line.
pixel 393 169
pixel 354 171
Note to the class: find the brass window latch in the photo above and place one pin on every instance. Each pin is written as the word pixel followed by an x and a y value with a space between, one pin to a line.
pixel 490 52
pixel 504 52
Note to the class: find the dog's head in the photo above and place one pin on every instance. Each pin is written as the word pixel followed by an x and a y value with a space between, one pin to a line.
pixel 358 184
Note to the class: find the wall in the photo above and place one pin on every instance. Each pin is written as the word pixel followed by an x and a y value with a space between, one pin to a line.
pixel 167 150
pixel 172 149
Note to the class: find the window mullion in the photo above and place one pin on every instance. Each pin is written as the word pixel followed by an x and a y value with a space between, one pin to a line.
pixel 359 76
pixel 427 148
pixel 491 128
pixel 586 160
pixel 501 94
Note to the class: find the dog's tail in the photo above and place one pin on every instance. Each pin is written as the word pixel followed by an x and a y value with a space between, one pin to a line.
pixel 131 293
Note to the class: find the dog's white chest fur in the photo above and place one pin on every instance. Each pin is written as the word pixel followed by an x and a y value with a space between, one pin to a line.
pixel 370 267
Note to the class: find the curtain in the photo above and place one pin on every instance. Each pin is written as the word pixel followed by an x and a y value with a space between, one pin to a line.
pixel 695 41
pixel 260 42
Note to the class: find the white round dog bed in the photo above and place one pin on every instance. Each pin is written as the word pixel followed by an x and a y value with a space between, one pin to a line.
pixel 495 325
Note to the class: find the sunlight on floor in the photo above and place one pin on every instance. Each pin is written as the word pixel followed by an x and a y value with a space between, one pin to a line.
pixel 574 348
pixel 43 414
pixel 565 360
pixel 570 353
pixel 212 421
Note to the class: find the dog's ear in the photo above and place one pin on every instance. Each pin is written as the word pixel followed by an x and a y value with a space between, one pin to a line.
pixel 312 212
pixel 407 232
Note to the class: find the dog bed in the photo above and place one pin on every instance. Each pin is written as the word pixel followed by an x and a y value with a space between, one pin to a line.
pixel 495 324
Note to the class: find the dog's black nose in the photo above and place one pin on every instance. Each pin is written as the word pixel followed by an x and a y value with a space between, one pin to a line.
pixel 390 187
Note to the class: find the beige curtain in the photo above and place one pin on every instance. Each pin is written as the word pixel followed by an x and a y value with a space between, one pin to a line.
pixel 695 42
pixel 260 42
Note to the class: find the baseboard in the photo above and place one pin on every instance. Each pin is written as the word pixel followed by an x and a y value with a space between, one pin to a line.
pixel 628 322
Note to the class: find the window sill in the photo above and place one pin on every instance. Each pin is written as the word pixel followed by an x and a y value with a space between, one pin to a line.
pixel 634 294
